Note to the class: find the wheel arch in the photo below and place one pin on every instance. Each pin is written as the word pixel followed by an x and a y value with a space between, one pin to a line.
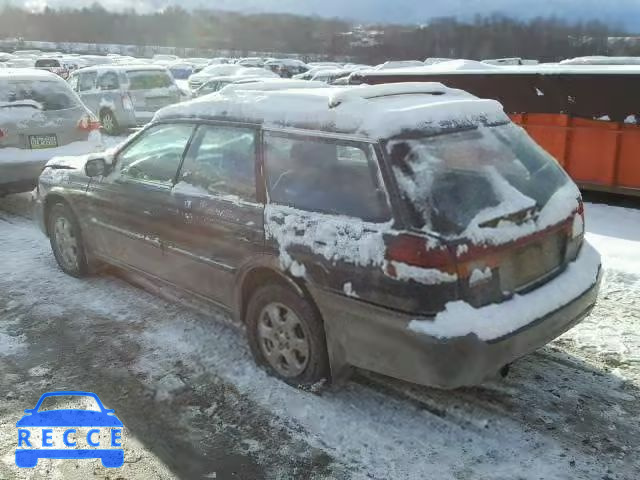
pixel 255 277
pixel 49 201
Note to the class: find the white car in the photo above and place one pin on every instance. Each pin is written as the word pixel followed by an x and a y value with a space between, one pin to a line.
pixel 212 71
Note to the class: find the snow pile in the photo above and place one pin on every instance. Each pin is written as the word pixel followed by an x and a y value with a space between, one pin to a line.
pixel 615 231
pixel 510 199
pixel 460 65
pixel 601 60
pixel 348 290
pixel 497 320
pixel 480 276
pixel 334 238
pixel 376 117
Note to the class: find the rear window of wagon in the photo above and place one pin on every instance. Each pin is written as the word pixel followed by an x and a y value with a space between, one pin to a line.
pixel 50 95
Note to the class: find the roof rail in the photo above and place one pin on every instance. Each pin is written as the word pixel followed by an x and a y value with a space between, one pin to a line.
pixel 368 92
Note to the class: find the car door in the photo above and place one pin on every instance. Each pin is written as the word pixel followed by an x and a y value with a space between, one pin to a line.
pixel 217 217
pixel 129 208
pixel 87 90
pixel 328 212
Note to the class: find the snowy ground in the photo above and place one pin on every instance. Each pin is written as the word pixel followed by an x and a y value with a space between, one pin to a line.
pixel 194 404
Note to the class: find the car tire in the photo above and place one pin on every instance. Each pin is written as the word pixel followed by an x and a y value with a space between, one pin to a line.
pixel 66 240
pixel 287 337
pixel 109 123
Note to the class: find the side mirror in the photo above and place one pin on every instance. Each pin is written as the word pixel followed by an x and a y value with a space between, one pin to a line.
pixel 95 167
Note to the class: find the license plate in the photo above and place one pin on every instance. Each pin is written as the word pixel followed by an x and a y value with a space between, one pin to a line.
pixel 531 263
pixel 43 141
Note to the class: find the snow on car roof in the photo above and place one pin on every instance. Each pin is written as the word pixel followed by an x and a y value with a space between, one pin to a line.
pixel 377 112
pixel 128 66
pixel 601 60
pixel 28 74
pixel 462 67
pixel 268 84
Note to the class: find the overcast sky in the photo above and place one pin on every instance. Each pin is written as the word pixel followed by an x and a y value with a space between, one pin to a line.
pixel 625 13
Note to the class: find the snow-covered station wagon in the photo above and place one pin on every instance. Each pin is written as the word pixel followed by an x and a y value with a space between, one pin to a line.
pixel 407 229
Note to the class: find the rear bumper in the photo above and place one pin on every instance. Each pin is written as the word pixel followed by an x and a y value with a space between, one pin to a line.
pixel 20 168
pixel 380 340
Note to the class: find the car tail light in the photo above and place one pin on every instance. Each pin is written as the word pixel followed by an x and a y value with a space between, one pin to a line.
pixel 576 237
pixel 413 250
pixel 88 123
pixel 580 212
pixel 127 102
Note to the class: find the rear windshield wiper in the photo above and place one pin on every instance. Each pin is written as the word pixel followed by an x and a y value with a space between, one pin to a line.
pixel 517 217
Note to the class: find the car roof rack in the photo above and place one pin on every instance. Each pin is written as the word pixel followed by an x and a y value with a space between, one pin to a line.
pixel 369 92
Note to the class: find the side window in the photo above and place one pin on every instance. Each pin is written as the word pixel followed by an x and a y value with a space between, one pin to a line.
pixel 73 81
pixel 108 81
pixel 328 176
pixel 87 81
pixel 156 155
pixel 221 160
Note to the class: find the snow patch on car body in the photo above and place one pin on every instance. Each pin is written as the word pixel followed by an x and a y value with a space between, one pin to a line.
pixel 426 276
pixel 107 103
pixel 497 320
pixel 560 206
pixel 348 290
pixel 479 275
pixel 335 238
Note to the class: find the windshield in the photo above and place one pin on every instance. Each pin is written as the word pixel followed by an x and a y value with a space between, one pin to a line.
pixel 148 79
pixel 47 63
pixel 50 95
pixel 473 177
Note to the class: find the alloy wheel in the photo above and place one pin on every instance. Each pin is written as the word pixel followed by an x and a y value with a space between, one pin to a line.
pixel 283 340
pixel 66 242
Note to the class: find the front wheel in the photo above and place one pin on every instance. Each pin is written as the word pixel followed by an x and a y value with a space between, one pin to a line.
pixel 66 240
pixel 287 336
pixel 109 122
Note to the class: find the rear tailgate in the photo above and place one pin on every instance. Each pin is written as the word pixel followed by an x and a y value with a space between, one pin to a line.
pixel 492 273
pixel 151 90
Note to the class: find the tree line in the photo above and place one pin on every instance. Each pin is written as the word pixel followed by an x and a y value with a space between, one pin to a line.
pixel 494 36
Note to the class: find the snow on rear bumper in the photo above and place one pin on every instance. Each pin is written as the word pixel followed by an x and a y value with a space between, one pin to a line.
pixel 380 340
pixel 495 321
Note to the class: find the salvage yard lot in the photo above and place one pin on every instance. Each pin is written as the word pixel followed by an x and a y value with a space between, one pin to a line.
pixel 194 405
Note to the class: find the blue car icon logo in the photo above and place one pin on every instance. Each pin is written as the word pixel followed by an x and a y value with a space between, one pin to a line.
pixel 69 433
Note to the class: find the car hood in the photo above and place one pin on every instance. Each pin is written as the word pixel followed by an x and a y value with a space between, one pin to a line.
pixel 69 418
